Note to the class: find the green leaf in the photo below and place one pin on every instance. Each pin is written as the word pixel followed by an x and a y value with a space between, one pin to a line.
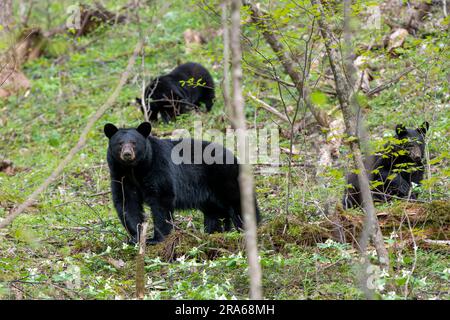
pixel 392 176
pixel 401 281
pixel 319 98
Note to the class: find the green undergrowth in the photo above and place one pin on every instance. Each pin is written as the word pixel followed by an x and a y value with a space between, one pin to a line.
pixel 70 245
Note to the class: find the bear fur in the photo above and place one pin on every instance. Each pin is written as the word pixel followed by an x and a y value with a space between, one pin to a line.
pixel 142 171
pixel 393 172
pixel 183 89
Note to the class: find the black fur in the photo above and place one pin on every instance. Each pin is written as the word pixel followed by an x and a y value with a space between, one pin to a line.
pixel 147 174
pixel 404 160
pixel 183 89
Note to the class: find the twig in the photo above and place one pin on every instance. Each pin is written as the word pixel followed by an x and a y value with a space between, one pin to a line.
pixel 389 83
pixel 269 108
pixel 415 256
pixel 437 242
pixel 184 231
pixel 273 77
pixel 62 228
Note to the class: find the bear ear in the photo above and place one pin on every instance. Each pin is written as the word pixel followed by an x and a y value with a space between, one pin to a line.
pixel 110 130
pixel 400 130
pixel 423 128
pixel 144 128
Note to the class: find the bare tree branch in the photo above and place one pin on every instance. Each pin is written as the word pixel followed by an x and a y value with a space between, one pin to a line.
pixel 287 62
pixel 269 108
pixel 388 83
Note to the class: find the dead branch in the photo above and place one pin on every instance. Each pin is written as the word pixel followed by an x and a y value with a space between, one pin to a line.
pixel 387 84
pixel 269 108
pixel 92 18
pixel 140 263
pixel 437 242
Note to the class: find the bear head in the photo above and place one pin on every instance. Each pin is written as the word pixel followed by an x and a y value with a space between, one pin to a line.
pixel 413 140
pixel 128 146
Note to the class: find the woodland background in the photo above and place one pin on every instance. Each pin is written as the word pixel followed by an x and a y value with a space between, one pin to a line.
pixel 70 245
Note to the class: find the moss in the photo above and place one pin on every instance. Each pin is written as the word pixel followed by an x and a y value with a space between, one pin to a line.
pixel 428 220
pixel 199 245
pixel 277 233
pixel 272 235
pixel 438 212
pixel 397 211
pixel 435 213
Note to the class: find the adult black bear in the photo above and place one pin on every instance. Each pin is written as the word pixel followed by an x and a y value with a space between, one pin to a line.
pixel 183 89
pixel 145 169
pixel 392 172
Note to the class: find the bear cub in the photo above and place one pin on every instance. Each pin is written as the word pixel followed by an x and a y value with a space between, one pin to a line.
pixel 392 172
pixel 183 89
pixel 142 171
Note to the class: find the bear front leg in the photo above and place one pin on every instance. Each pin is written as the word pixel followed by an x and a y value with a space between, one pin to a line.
pixel 212 224
pixel 400 186
pixel 162 210
pixel 128 204
pixel 207 97
pixel 209 105
pixel 167 115
pixel 153 115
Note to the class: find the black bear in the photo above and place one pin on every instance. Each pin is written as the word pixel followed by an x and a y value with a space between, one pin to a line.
pixel 145 169
pixel 183 89
pixel 393 171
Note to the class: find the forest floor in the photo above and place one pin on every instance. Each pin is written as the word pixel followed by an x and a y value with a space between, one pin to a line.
pixel 71 245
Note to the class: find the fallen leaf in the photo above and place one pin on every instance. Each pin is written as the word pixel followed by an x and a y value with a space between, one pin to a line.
pixel 397 39
pixel 7 167
pixel 118 264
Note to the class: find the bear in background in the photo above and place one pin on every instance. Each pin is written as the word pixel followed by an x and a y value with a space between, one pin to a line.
pixel 143 170
pixel 393 172
pixel 183 89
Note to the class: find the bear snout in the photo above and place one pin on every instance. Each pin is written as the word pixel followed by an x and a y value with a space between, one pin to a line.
pixel 415 153
pixel 127 152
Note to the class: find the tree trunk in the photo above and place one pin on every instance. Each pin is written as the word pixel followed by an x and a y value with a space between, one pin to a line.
pixel 6 15
pixel 246 183
pixel 349 107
